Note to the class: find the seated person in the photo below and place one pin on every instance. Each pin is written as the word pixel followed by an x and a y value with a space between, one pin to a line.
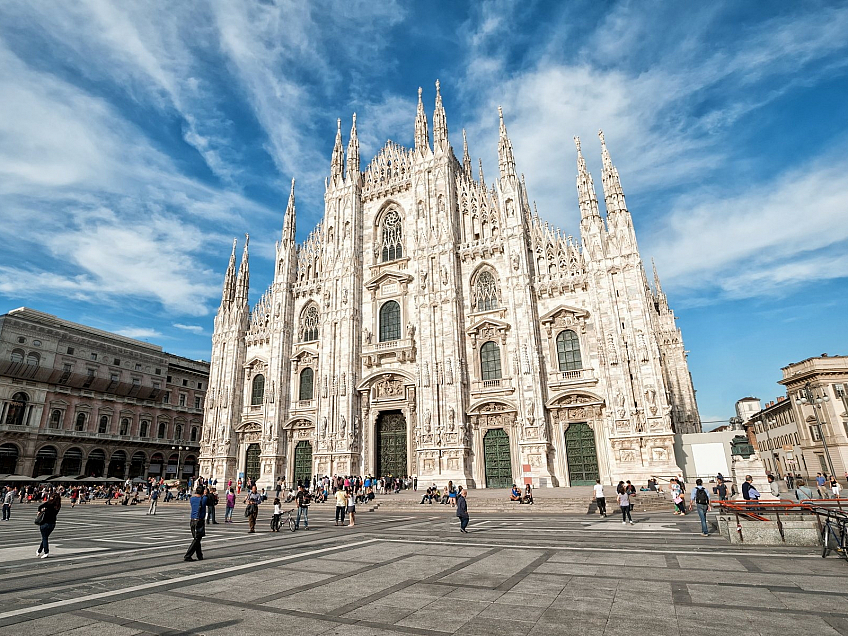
pixel 428 496
pixel 528 495
pixel 515 494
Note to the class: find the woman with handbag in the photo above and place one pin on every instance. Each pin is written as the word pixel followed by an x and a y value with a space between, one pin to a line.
pixel 46 522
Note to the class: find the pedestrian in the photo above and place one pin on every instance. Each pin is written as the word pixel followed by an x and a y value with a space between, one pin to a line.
pixel 802 491
pixel 749 493
pixel 774 487
pixel 252 500
pixel 211 503
pixel 462 510
pixel 279 486
pixel 302 498
pixel 721 491
pixel 631 493
pixel 278 511
pixel 197 524
pixel 341 506
pixel 154 499
pixel 600 500
pixel 8 498
pixel 624 503
pixel 820 481
pixel 351 509
pixel 700 499
pixel 835 488
pixel 231 503
pixel 47 511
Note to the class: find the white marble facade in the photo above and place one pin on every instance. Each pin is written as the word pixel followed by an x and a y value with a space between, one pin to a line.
pixel 433 325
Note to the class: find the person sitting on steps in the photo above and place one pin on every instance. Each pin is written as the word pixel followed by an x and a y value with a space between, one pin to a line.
pixel 515 494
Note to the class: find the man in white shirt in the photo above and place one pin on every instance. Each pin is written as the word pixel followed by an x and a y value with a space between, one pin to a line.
pixel 599 498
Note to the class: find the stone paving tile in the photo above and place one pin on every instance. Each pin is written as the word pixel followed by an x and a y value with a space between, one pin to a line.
pixel 47 626
pixel 258 622
pixel 836 604
pixel 820 583
pixel 525 599
pixel 532 584
pixel 582 569
pixel 360 630
pixel 512 612
pixel 324 565
pixel 141 609
pixel 736 596
pixel 623 625
pixel 721 564
pixel 693 627
pixel 770 623
pixel 381 613
pixel 583 605
pixel 103 629
pixel 373 553
pixel 435 616
pixel 495 627
pixel 429 589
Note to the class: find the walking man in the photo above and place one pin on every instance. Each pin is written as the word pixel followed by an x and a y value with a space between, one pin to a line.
pixel 700 498
pixel 600 499
pixel 302 498
pixel 8 498
pixel 154 498
pixel 252 500
pixel 462 510
pixel 198 525
pixel 211 502
pixel 820 481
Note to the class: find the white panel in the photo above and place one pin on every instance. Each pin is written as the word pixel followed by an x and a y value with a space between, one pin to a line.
pixel 710 459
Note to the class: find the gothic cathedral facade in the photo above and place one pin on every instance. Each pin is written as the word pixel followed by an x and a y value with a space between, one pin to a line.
pixel 432 326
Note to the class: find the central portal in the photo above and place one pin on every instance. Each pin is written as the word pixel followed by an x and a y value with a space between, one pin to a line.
pixel 251 464
pixel 391 444
pixel 581 455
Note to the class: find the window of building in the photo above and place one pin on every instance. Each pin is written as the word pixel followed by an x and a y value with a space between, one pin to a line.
pixel 258 393
pixel 143 429
pixel 185 382
pixel 161 433
pixel 80 423
pixel 16 412
pixel 568 351
pixel 178 432
pixel 70 351
pixel 21 340
pixel 116 362
pixel 197 402
pixel 104 424
pixel 93 356
pixel 814 433
pixel 309 324
pixel 33 359
pixel 89 379
pixel 168 379
pixel 125 426
pixel 138 366
pixel 392 236
pixel 166 399
pixel 486 292
pixel 307 383
pixel 36 343
pixel 390 321
pixel 182 399
pixel 136 382
pixel 490 361
pixel 193 433
pixel 839 390
pixel 56 418
pixel 199 386
pixel 157 372
pixel 156 385
pixel 18 355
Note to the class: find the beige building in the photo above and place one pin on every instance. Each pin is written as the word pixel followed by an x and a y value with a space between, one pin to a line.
pixel 433 325
pixel 818 390
pixel 75 400
pixel 776 432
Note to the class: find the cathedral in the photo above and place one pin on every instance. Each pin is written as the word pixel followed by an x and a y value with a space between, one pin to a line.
pixel 433 326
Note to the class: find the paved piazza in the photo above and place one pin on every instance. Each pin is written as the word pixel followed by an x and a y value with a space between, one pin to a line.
pixel 117 571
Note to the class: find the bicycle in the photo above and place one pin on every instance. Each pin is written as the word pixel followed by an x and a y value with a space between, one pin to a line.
pixel 835 534
pixel 285 518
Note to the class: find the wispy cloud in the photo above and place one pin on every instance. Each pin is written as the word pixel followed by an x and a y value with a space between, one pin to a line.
pixel 192 328
pixel 140 333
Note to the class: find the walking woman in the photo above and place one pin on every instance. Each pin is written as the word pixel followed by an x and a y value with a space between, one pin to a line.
pixel 231 504
pixel 624 504
pixel 50 509
pixel 351 509
pixel 341 506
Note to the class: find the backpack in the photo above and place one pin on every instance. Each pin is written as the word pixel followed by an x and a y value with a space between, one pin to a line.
pixel 702 498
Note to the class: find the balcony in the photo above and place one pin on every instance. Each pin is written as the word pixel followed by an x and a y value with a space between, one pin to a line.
pixel 402 350
pixel 562 379
pixel 486 387
pixel 304 405
pixel 93 436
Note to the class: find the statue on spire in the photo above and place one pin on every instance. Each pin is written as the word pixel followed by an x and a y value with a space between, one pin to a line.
pixel 229 291
pixel 440 123
pixel 506 161
pixel 613 194
pixel 353 154
pixel 337 163
pixel 466 158
pixel 289 221
pixel 586 196
pixel 243 279
pixel 422 136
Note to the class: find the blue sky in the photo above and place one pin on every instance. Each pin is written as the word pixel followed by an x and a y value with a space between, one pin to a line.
pixel 136 139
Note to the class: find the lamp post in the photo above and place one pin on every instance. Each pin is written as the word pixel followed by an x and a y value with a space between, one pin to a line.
pixel 179 450
pixel 805 396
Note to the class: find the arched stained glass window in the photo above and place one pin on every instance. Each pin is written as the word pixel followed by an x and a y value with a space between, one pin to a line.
pixel 309 324
pixel 486 291
pixel 568 351
pixel 307 384
pixel 257 395
pixel 490 361
pixel 392 236
pixel 389 321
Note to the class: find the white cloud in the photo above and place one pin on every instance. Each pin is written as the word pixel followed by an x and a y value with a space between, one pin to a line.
pixel 192 328
pixel 140 333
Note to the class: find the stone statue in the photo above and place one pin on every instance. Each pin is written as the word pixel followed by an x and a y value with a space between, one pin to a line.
pixel 342 426
pixel 451 419
pixel 427 427
pixel 366 335
pixel 324 426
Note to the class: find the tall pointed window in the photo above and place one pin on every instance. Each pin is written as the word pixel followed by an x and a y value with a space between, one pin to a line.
pixel 392 236
pixel 486 292
pixel 490 361
pixel 309 324
pixel 389 321
pixel 258 393
pixel 568 351
pixel 307 383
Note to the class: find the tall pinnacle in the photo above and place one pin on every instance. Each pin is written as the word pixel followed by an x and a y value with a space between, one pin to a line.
pixel 230 278
pixel 506 161
pixel 466 158
pixel 289 222
pixel 613 194
pixel 422 137
pixel 337 163
pixel 353 154
pixel 243 279
pixel 482 180
pixel 662 301
pixel 440 123
pixel 585 187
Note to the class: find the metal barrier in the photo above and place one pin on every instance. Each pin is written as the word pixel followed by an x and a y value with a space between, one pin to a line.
pixel 772 509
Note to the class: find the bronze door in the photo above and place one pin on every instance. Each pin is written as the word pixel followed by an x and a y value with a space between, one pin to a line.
pixel 497 459
pixel 581 454
pixel 391 445
pixel 251 465
pixel 303 463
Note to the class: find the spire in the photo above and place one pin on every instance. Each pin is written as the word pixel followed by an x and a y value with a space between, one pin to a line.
pixel 662 301
pixel 482 180
pixel 440 123
pixel 505 159
pixel 243 279
pixel 585 187
pixel 613 194
pixel 466 158
pixel 289 222
pixel 422 137
pixel 230 278
pixel 353 154
pixel 337 163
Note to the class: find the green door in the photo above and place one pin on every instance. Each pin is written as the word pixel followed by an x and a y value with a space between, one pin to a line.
pixel 303 463
pixel 391 445
pixel 251 467
pixel 581 455
pixel 497 459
